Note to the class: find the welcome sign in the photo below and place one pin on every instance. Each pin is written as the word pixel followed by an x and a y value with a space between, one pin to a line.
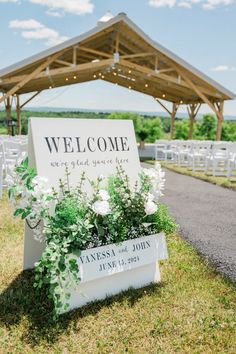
pixel 95 147
pixel 82 145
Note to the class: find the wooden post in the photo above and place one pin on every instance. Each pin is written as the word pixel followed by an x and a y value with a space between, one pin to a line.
pixel 172 122
pixel 8 112
pixel 18 109
pixel 220 119
pixel 192 112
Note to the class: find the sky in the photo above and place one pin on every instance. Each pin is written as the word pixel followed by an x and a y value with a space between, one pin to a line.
pixel 202 32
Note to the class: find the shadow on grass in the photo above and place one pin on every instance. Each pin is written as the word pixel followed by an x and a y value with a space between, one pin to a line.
pixel 22 302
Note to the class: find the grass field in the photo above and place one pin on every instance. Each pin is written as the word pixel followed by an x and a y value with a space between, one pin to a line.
pixel 193 310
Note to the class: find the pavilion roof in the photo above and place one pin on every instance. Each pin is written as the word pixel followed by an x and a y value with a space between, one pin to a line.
pixel 142 65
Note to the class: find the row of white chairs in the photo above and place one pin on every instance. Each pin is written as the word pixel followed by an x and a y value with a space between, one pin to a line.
pixel 213 157
pixel 11 150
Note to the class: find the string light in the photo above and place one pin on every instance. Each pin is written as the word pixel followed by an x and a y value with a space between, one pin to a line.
pixel 163 95
pixel 94 76
pixel 181 102
pixel 114 74
pixel 129 71
pixel 146 85
pixel 130 87
pixel 67 79
pixel 75 77
pixel 50 87
pixel 100 74
pixel 103 76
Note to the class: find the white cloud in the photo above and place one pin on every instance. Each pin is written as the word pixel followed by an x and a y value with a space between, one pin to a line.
pixel 185 4
pixel 33 29
pixel 53 13
pixel 162 3
pixel 26 24
pixel 77 7
pixel 212 4
pixel 4 1
pixel 205 4
pixel 223 68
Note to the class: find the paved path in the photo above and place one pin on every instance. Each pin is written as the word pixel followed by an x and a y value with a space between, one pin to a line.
pixel 207 217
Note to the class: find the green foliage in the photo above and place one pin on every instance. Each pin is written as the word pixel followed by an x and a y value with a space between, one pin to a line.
pixel 206 127
pixel 153 127
pixel 148 128
pixel 136 118
pixel 181 129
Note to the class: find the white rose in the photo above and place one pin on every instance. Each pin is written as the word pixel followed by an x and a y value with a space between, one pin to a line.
pixel 101 207
pixel 103 194
pixel 150 197
pixel 150 208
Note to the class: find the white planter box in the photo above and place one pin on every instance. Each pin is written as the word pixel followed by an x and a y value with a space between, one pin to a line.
pixel 108 270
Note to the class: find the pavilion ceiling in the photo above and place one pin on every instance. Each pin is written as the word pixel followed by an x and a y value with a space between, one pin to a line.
pixel 142 65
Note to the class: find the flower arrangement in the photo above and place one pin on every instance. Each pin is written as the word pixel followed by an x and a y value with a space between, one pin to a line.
pixel 69 221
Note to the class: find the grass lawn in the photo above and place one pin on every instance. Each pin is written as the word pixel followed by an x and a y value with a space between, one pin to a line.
pixel 220 181
pixel 193 310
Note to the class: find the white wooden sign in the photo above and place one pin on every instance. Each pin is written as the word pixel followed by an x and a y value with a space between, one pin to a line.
pixel 107 260
pixel 110 269
pixel 82 145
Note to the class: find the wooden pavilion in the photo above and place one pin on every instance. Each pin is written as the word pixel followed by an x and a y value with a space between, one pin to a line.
pixel 119 52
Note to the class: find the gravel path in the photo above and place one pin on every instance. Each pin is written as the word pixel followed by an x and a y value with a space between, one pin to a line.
pixel 206 214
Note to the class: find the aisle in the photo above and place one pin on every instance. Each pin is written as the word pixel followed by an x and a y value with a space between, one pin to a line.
pixel 206 214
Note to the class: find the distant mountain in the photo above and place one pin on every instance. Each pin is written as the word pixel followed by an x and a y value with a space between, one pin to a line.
pixel 160 114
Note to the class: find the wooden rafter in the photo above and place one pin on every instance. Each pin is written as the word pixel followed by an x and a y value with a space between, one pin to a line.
pixel 192 112
pixel 166 109
pixel 65 70
pixel 29 77
pixel 30 99
pixel 138 55
pixel 97 52
pixel 63 62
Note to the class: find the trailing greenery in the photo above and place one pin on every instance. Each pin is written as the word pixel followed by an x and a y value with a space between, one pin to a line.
pixel 148 128
pixel 69 221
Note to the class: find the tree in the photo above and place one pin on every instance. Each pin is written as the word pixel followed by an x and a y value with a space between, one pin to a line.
pixel 153 127
pixel 136 118
pixel 207 127
pixel 181 129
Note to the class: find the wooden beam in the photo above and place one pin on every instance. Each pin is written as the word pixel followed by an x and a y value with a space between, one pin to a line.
pixel 117 42
pixel 220 119
pixel 172 122
pixel 167 110
pixel 196 89
pixel 29 99
pixel 65 70
pixel 18 117
pixel 164 70
pixel 138 55
pixel 75 55
pixel 97 52
pixel 30 76
pixel 152 73
pixel 63 62
pixel 8 111
pixel 192 112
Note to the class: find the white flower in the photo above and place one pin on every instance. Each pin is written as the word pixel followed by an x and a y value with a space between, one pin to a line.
pixel 150 208
pixel 101 207
pixel 150 197
pixel 157 179
pixel 103 194
pixel 40 181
